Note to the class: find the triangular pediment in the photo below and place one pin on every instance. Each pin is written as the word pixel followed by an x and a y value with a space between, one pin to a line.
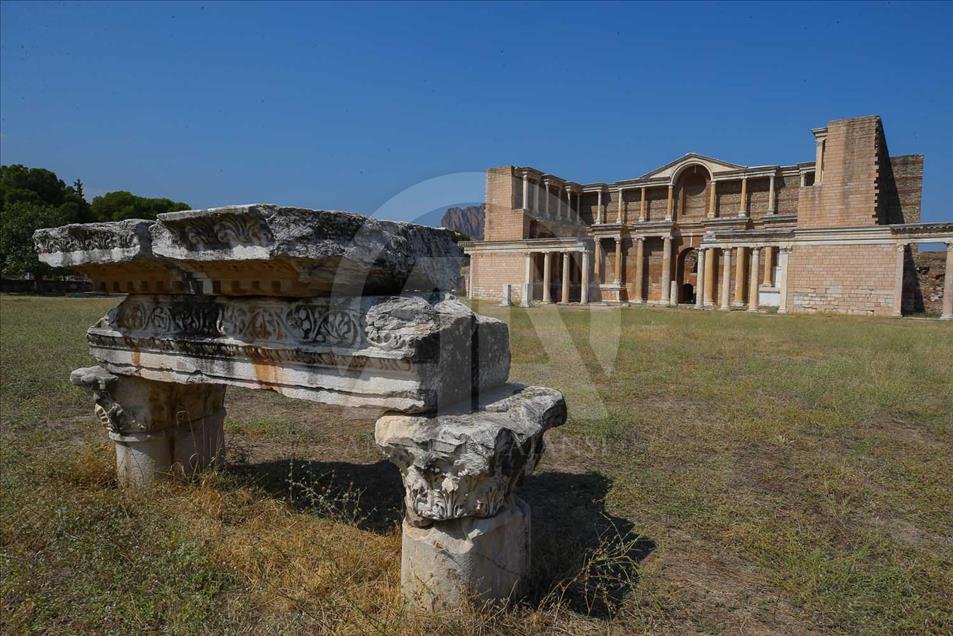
pixel 713 165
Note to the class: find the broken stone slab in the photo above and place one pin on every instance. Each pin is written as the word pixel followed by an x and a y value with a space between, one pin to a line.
pixel 256 250
pixel 454 562
pixel 405 353
pixel 467 462
pixel 159 428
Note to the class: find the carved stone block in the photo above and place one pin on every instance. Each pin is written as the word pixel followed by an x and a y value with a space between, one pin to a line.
pixel 467 463
pixel 253 250
pixel 406 353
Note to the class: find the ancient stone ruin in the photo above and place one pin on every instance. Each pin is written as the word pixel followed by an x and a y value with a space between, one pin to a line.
pixel 330 307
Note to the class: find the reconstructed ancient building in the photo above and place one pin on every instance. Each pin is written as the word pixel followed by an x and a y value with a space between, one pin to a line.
pixel 831 235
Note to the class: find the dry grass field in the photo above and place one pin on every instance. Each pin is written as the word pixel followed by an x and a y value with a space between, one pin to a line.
pixel 719 473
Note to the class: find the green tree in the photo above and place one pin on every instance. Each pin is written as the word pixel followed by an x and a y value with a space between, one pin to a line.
pixel 117 206
pixel 31 198
pixel 19 220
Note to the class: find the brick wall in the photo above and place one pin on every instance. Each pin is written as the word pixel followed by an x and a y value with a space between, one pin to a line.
pixel 491 271
pixel 901 184
pixel 847 194
pixel 857 279
pixel 504 221
pixel 786 193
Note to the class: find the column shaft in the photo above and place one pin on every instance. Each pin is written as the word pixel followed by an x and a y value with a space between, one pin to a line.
pixel 898 284
pixel 639 269
pixel 710 277
pixel 547 199
pixel 597 246
pixel 619 220
pixel 772 198
pixel 701 288
pixel 668 206
pixel 725 279
pixel 740 278
pixel 525 191
pixel 948 285
pixel 618 261
pixel 666 270
pixel 565 296
pixel 599 215
pixel 768 280
pixel 529 268
pixel 783 259
pixel 642 206
pixel 584 289
pixel 754 287
pixel 743 204
pixel 711 199
pixel 547 277
pixel 536 197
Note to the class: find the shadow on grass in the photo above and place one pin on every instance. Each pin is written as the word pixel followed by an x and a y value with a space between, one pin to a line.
pixel 369 496
pixel 583 558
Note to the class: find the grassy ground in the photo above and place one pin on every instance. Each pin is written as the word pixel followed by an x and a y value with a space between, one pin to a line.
pixel 718 474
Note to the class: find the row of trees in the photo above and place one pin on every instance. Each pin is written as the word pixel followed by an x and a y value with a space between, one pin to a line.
pixel 31 198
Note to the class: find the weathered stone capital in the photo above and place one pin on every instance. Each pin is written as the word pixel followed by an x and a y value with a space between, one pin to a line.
pixel 129 404
pixel 467 462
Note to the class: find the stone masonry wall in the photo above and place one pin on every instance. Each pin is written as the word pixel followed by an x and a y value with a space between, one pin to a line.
pixel 855 279
pixel 504 220
pixel 930 269
pixel 901 184
pixel 492 271
pixel 847 194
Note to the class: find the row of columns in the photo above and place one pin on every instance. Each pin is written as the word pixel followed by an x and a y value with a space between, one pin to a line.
pixel 706 274
pixel 531 202
pixel 743 211
pixel 547 276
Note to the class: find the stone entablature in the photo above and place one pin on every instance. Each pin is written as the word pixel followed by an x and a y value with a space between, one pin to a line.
pixel 649 235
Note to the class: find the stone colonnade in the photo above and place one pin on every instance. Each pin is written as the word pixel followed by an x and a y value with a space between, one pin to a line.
pixel 562 257
pixel 558 198
pixel 754 269
pixel 603 214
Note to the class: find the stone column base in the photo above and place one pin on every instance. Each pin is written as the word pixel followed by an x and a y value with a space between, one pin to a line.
pixel 470 559
pixel 144 457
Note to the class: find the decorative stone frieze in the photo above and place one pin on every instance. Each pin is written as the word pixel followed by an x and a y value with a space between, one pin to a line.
pixel 406 353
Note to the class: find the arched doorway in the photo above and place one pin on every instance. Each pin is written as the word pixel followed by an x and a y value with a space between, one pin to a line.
pixel 686 274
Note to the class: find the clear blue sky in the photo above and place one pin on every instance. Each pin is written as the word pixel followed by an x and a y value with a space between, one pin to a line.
pixel 347 106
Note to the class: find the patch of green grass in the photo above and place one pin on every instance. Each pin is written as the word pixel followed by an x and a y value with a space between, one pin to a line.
pixel 789 472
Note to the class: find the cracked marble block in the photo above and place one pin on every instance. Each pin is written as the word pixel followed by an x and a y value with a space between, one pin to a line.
pixel 465 535
pixel 159 428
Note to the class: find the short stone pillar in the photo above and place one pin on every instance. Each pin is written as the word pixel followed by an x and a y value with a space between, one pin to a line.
pixel 507 296
pixel 159 428
pixel 466 537
pixel 526 294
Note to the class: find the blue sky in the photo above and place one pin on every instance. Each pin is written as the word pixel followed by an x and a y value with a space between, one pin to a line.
pixel 397 109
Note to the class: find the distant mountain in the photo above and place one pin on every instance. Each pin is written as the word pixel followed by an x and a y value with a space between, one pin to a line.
pixel 468 220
